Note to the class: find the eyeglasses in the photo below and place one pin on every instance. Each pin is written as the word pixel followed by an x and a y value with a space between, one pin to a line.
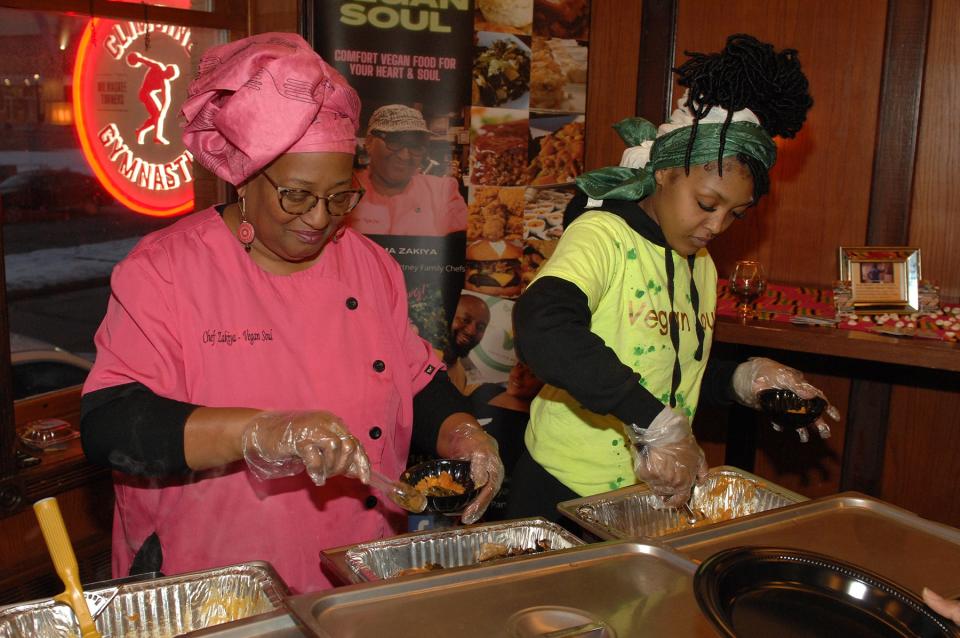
pixel 296 201
pixel 416 143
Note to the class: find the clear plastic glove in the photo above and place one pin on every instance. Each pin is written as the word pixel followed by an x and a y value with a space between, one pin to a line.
pixel 758 374
pixel 666 456
pixel 468 441
pixel 277 444
pixel 949 609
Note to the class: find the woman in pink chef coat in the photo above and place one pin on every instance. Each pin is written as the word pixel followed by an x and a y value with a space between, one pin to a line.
pixel 249 342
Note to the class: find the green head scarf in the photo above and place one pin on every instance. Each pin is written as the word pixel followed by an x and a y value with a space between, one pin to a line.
pixel 670 150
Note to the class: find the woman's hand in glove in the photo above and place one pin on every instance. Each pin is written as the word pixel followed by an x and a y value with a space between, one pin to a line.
pixel 277 444
pixel 946 608
pixel 666 456
pixel 758 374
pixel 461 437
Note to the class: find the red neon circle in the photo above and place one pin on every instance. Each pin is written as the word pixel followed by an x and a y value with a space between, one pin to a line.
pixel 102 175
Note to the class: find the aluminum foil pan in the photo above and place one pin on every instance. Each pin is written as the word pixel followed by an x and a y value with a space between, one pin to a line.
pixel 452 547
pixel 156 608
pixel 631 512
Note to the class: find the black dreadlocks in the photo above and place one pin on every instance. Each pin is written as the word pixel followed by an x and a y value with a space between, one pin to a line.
pixel 749 74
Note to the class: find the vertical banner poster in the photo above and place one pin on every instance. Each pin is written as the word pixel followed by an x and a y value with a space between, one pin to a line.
pixel 527 117
pixel 416 55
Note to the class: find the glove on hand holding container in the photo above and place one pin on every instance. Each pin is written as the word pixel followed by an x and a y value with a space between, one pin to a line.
pixel 468 441
pixel 277 444
pixel 666 456
pixel 758 374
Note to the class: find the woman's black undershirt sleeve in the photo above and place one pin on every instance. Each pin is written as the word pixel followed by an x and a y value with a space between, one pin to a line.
pixel 717 386
pixel 135 431
pixel 552 332
pixel 431 406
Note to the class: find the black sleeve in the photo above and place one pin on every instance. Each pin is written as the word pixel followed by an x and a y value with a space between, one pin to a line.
pixel 717 386
pixel 431 406
pixel 552 333
pixel 131 429
pixel 575 207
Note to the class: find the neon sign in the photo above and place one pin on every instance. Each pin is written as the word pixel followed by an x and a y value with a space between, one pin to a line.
pixel 122 95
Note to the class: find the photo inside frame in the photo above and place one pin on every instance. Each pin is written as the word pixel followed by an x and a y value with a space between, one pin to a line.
pixel 879 281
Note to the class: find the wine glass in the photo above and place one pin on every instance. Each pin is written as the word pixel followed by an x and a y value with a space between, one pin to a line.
pixel 747 282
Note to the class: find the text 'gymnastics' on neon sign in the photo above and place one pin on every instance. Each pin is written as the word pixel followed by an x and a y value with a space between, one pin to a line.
pixel 127 77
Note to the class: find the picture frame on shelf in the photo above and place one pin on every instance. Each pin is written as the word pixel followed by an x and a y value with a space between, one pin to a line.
pixel 882 278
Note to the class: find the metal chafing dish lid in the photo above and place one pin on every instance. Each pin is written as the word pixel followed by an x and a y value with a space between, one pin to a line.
pixel 605 590
pixel 909 550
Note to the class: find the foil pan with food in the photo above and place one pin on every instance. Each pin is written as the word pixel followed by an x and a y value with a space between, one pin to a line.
pixel 635 512
pixel 427 551
pixel 154 608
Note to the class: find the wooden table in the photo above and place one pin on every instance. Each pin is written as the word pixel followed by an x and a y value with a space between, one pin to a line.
pixel 837 342
pixel 873 362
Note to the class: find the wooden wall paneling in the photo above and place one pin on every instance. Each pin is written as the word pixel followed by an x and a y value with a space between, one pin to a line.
pixel 87 511
pixel 611 77
pixel 934 212
pixel 921 461
pixel 274 15
pixel 821 184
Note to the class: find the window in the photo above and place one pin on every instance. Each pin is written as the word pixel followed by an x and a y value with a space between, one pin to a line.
pixel 90 160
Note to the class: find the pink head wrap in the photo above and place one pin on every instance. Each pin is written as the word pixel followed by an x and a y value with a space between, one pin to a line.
pixel 260 97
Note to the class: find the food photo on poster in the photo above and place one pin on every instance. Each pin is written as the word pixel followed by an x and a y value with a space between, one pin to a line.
pixel 562 18
pixel 499 146
pixel 558 76
pixel 556 149
pixel 501 71
pixel 506 16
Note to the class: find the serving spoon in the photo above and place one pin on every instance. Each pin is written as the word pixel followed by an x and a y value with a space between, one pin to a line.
pixel 693 516
pixel 406 496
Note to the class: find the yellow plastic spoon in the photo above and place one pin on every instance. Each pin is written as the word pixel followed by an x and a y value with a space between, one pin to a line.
pixel 65 562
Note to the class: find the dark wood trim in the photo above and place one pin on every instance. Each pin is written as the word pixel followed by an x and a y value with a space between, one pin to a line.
pixel 306 22
pixel 888 221
pixel 658 32
pixel 741 441
pixel 901 87
pixel 7 429
pixel 36 579
pixel 58 473
pixel 863 447
pixel 222 17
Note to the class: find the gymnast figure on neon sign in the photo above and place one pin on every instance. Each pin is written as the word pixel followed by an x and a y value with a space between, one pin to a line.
pixel 154 93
